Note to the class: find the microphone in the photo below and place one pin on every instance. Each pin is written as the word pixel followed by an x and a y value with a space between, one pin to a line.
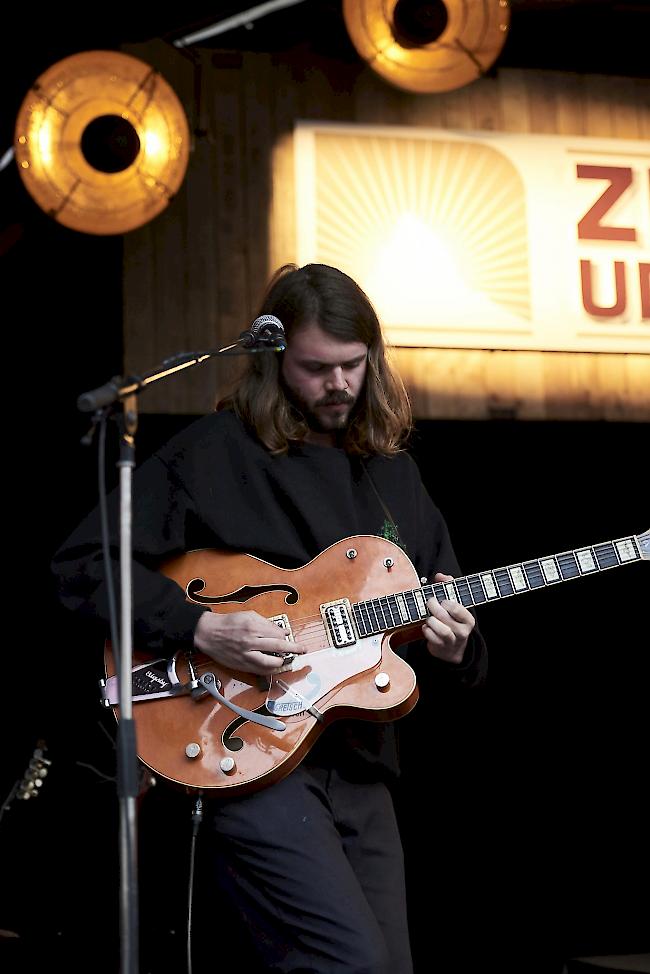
pixel 265 330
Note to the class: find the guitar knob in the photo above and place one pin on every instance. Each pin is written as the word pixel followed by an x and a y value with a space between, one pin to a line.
pixel 193 750
pixel 382 681
pixel 227 765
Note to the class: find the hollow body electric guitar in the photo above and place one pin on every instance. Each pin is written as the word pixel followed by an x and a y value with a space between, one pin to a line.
pixel 202 726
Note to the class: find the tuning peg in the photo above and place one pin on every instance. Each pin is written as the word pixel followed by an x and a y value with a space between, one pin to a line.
pixel 38 761
pixel 38 769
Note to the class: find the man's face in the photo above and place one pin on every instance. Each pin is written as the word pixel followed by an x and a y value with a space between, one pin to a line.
pixel 323 376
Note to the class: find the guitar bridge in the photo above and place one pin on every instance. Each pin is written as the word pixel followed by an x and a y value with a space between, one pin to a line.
pixel 337 617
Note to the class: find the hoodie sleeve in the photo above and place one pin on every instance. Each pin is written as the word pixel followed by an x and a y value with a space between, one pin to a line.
pixel 162 513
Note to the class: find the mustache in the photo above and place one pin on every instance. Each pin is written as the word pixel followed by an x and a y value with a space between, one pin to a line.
pixel 336 399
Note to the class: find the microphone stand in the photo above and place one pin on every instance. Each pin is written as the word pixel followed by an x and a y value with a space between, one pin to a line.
pixel 100 401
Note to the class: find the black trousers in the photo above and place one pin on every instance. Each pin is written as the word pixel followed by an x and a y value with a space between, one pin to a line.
pixel 314 867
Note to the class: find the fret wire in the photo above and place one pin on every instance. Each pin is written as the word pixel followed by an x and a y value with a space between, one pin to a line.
pixel 380 612
pixel 412 606
pixel 568 565
pixel 490 587
pixel 518 578
pixel 388 613
pixel 386 617
pixel 438 591
pixel 366 618
pixel 627 550
pixel 606 555
pixel 394 610
pixel 380 609
pixel 465 592
pixel 475 582
pixel 534 574
pixel 419 598
pixel 385 608
pixel 374 621
pixel 502 579
pixel 401 608
pixel 361 628
pixel 454 597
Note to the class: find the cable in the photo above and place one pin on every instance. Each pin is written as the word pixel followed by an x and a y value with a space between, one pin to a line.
pixel 110 587
pixel 6 158
pixel 238 20
pixel 197 818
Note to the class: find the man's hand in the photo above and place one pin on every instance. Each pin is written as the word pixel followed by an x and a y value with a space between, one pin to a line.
pixel 448 627
pixel 243 641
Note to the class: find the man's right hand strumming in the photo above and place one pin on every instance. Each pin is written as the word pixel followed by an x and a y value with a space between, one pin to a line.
pixel 243 641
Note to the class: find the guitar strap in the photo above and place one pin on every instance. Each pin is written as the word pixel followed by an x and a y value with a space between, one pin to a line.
pixel 390 530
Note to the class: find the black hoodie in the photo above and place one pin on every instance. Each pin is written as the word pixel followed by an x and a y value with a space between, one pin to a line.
pixel 214 485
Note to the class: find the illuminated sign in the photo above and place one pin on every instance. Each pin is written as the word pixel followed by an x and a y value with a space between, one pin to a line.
pixel 483 239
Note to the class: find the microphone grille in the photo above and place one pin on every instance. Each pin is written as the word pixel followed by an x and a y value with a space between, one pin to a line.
pixel 266 321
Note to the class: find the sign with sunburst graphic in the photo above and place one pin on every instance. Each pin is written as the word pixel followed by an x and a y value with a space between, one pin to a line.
pixel 483 239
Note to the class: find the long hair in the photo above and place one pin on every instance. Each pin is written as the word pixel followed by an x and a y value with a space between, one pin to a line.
pixel 317 293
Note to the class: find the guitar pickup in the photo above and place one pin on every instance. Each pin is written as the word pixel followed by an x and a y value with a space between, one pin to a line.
pixel 337 617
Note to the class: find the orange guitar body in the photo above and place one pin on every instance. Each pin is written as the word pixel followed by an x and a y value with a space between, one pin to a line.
pixel 197 742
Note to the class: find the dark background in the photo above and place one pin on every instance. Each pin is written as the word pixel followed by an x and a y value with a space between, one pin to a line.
pixel 523 806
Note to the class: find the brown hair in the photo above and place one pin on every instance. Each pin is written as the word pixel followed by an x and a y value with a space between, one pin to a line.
pixel 324 295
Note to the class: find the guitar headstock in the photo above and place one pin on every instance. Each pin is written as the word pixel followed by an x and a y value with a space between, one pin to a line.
pixel 32 780
pixel 35 772
pixel 644 544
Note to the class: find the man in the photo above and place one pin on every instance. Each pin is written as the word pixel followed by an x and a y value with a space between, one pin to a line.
pixel 307 451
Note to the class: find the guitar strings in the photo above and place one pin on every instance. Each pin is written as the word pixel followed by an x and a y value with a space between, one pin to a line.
pixel 318 638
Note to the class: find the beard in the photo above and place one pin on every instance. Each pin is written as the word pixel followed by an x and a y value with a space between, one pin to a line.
pixel 318 418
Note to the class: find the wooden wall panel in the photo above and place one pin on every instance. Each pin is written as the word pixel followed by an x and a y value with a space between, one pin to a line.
pixel 485 105
pixel 569 93
pixel 513 96
pixel 193 278
pixel 493 384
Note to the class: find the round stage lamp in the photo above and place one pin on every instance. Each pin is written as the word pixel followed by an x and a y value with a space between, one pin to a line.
pixel 428 46
pixel 102 142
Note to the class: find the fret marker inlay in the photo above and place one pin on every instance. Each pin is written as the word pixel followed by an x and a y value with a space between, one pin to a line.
pixel 586 560
pixel 549 567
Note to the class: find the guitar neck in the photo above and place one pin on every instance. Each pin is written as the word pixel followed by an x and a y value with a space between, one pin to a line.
pixel 403 609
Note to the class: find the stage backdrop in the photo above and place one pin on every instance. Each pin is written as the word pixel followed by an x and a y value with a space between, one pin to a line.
pixel 194 275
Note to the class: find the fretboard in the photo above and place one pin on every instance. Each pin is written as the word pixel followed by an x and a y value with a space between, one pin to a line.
pixel 405 608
